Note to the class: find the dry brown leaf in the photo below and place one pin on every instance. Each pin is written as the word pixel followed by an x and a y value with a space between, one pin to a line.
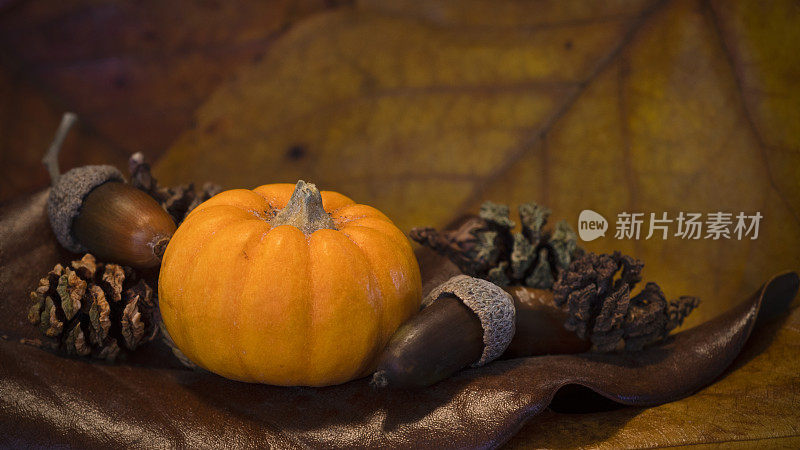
pixel 753 406
pixel 425 109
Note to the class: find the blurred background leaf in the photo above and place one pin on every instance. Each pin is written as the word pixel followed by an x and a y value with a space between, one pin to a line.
pixel 134 71
pixel 425 109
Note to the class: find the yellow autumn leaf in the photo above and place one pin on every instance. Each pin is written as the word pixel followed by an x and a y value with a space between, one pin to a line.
pixel 425 109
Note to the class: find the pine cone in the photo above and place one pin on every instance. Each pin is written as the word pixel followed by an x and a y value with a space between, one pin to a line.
pixel 94 309
pixel 601 308
pixel 485 246
pixel 178 201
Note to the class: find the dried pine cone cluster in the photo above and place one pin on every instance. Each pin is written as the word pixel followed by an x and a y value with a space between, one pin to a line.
pixel 486 247
pixel 91 308
pixel 601 308
pixel 178 201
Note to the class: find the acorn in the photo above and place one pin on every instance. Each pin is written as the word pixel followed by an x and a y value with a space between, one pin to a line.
pixel 465 321
pixel 469 322
pixel 540 327
pixel 92 209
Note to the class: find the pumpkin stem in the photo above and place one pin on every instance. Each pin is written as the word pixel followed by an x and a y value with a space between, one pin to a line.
pixel 304 210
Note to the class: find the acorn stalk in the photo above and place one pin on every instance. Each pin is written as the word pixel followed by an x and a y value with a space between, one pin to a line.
pixel 92 209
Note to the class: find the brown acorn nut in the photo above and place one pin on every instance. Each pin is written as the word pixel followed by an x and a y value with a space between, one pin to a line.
pixel 92 209
pixel 465 321
pixel 540 326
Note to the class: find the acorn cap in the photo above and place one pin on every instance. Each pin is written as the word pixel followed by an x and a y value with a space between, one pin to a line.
pixel 66 198
pixel 493 306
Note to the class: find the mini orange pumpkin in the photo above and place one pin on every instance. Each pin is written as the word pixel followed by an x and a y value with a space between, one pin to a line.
pixel 268 286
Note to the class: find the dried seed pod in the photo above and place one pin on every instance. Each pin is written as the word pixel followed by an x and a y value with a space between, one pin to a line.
pixel 92 209
pixel 466 321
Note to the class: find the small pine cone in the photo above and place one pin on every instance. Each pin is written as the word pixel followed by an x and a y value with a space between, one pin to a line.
pixel 469 246
pixel 93 309
pixel 178 201
pixel 487 247
pixel 601 308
